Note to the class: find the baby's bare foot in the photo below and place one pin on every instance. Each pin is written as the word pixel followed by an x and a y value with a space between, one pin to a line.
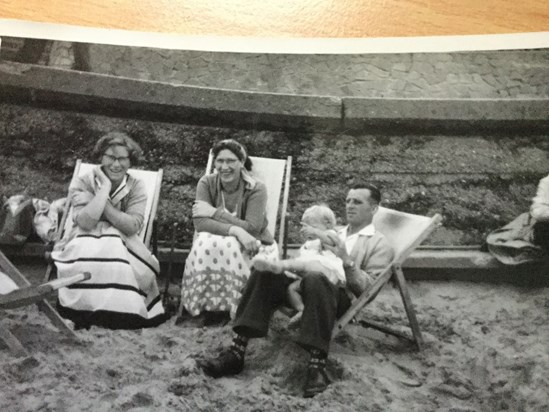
pixel 263 265
pixel 295 320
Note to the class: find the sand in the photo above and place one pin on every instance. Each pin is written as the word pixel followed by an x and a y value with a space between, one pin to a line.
pixel 486 350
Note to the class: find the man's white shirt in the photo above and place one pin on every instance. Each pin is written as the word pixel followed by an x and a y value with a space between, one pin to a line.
pixel 350 241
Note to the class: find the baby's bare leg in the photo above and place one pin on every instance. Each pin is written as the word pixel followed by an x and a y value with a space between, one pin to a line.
pixel 295 299
pixel 292 265
pixel 301 265
pixel 294 296
pixel 295 320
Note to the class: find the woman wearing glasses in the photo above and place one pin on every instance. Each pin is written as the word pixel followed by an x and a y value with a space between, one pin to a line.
pixel 108 207
pixel 229 216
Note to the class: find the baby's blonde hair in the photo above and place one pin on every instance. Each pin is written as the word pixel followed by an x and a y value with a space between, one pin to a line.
pixel 320 214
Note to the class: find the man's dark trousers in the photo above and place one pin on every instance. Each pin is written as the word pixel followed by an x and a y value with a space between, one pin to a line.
pixel 265 291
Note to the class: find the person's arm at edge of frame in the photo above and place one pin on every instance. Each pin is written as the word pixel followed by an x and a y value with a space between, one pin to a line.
pixel 539 209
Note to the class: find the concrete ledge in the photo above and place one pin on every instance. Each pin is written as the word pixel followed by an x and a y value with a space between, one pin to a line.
pixel 422 258
pixel 434 264
pixel 426 258
pixel 427 263
pixel 76 90
pixel 447 114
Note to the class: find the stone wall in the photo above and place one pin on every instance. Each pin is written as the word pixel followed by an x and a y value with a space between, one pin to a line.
pixel 523 73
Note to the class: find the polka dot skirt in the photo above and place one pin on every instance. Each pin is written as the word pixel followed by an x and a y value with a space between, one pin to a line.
pixel 215 273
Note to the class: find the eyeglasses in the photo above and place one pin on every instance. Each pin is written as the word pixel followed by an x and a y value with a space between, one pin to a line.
pixel 112 159
pixel 228 162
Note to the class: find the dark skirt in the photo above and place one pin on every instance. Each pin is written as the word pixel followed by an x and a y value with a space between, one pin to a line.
pixel 520 241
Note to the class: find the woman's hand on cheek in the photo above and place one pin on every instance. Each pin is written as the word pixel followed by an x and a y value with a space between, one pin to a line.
pixel 102 178
pixel 203 209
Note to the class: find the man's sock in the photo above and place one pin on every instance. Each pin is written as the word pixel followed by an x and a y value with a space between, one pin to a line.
pixel 318 359
pixel 238 346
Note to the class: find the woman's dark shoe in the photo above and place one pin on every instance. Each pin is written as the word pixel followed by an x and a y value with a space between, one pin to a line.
pixel 316 382
pixel 184 317
pixel 227 363
pixel 216 318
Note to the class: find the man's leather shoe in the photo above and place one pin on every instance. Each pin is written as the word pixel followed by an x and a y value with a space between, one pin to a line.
pixel 317 381
pixel 227 363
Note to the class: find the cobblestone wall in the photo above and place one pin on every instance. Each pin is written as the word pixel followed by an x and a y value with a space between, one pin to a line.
pixel 523 73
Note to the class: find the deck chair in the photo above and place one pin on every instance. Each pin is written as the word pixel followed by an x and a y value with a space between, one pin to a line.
pixel 405 232
pixel 153 182
pixel 275 174
pixel 24 294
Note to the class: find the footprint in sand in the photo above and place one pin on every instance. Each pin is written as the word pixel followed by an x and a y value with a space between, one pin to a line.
pixel 23 370
pixel 139 399
pixel 410 378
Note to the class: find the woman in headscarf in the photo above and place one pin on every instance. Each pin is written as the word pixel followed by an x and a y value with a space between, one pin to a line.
pixel 229 216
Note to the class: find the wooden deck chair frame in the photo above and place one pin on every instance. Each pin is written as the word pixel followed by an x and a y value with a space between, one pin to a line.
pixel 148 231
pixel 275 174
pixel 398 227
pixel 27 294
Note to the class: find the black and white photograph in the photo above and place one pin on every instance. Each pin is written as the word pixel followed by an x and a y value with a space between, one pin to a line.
pixel 250 231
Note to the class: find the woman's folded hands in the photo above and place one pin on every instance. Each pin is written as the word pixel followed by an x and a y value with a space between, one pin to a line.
pixel 202 208
pixel 248 242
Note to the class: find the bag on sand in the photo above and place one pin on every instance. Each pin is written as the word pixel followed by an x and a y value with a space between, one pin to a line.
pixel 16 220
pixel 46 218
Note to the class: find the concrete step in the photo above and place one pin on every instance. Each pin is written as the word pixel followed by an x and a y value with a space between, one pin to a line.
pixel 438 263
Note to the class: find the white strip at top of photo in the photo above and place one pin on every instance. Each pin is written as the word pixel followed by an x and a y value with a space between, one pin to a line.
pixel 289 45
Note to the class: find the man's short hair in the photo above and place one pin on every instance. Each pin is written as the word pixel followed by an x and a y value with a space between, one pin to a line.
pixel 375 194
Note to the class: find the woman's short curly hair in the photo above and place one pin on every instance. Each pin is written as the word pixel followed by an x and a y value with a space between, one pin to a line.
pixel 118 139
pixel 236 148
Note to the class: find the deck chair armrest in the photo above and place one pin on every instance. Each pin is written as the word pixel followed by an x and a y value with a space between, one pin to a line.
pixel 32 294
pixel 60 283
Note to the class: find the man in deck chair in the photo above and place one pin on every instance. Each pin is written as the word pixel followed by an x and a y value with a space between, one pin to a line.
pixel 364 252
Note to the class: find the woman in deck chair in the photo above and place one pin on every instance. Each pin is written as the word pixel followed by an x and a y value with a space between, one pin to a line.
pixel 108 207
pixel 229 216
pixel 526 238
